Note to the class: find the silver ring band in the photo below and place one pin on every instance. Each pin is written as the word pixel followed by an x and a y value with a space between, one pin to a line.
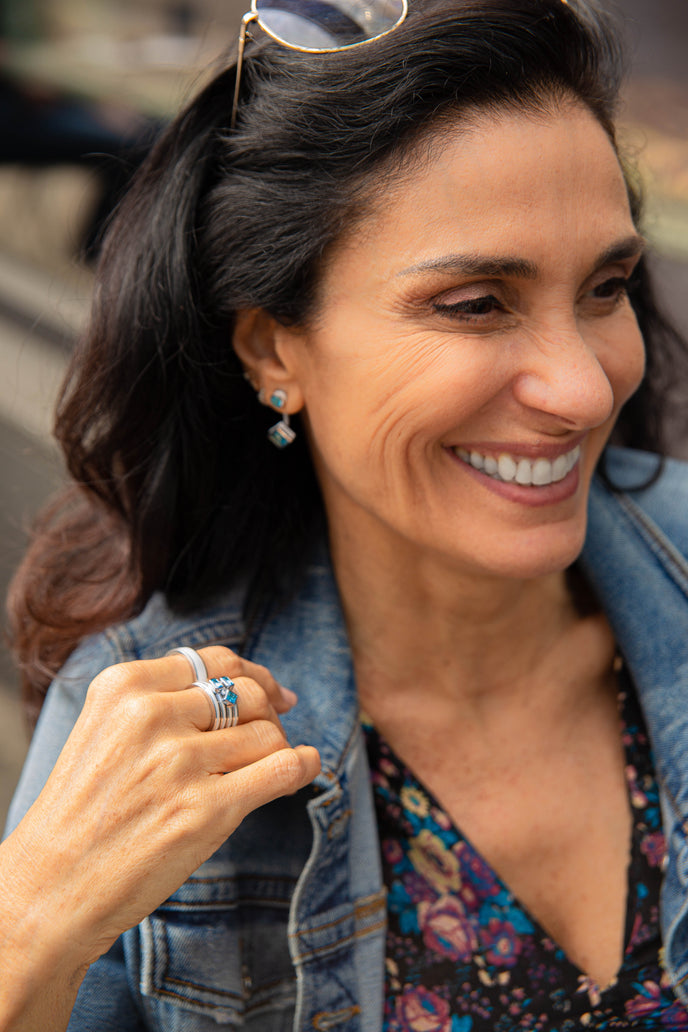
pixel 200 671
pixel 224 701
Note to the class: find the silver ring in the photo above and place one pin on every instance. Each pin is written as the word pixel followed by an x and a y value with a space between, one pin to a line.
pixel 200 671
pixel 223 699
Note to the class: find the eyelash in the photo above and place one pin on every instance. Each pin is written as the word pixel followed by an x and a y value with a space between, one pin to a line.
pixel 469 308
pixel 480 308
pixel 619 284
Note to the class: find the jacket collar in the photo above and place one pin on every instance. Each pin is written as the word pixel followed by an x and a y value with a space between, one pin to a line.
pixel 305 646
pixel 642 583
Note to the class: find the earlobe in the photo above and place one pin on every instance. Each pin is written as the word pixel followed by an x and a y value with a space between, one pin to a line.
pixel 257 340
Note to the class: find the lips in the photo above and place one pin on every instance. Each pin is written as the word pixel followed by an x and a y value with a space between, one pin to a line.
pixel 517 469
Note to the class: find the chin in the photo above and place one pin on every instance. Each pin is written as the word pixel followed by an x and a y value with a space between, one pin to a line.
pixel 542 555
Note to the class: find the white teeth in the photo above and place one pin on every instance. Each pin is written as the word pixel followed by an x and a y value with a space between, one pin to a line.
pixel 542 472
pixel 527 472
pixel 524 472
pixel 506 467
pixel 559 467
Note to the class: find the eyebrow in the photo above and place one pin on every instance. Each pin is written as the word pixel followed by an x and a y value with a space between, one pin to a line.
pixel 520 268
pixel 631 247
pixel 476 265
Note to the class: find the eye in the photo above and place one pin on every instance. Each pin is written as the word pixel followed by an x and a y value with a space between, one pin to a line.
pixel 611 292
pixel 472 309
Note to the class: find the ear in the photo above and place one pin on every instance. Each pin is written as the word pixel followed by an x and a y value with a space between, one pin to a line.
pixel 261 344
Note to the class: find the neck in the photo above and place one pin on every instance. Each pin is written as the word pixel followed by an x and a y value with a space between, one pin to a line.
pixel 413 620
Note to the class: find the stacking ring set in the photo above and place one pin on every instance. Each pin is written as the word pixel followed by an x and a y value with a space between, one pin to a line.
pixel 219 690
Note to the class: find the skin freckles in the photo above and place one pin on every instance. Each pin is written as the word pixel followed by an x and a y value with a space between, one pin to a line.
pixel 481 307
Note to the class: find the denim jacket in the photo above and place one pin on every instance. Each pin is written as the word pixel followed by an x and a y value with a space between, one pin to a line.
pixel 284 927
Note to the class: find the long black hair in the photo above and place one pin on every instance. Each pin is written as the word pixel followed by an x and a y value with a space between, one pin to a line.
pixel 178 489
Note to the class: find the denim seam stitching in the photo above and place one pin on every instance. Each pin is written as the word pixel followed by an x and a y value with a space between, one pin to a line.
pixel 232 997
pixel 359 933
pixel 358 911
pixel 674 562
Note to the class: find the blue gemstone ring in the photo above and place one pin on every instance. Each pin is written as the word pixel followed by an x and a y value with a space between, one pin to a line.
pixel 224 701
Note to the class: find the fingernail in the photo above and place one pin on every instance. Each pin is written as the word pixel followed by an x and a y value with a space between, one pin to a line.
pixel 289 696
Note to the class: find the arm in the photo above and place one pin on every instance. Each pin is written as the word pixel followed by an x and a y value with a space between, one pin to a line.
pixel 137 800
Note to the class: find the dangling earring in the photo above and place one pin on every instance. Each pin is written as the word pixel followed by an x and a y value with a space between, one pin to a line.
pixel 281 434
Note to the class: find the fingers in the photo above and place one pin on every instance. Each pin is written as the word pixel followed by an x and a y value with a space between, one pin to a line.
pixel 264 696
pixel 281 773
pixel 139 778
pixel 155 699
pixel 229 750
pixel 253 703
pixel 222 662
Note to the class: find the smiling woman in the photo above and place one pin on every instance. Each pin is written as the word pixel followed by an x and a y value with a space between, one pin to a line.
pixel 341 422
pixel 521 348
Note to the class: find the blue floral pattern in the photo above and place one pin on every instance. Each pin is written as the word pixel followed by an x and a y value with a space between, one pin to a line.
pixel 463 954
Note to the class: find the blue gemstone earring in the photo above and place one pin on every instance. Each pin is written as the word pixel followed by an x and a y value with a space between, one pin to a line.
pixel 281 434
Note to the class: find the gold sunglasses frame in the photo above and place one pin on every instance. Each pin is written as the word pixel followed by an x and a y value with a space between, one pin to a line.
pixel 254 16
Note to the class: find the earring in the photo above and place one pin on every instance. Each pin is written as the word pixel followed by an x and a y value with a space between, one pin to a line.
pixel 278 398
pixel 281 434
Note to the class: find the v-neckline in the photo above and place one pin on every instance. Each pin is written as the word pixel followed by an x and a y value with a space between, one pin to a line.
pixel 584 980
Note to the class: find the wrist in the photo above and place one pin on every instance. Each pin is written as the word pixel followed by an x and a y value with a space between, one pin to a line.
pixel 38 940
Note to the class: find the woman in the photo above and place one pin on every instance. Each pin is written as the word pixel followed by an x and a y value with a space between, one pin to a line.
pixel 424 252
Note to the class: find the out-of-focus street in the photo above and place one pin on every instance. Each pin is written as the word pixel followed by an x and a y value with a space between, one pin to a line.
pixel 44 213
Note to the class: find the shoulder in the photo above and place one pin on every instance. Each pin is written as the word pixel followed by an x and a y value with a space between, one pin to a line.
pixel 149 635
pixel 152 633
pixel 158 628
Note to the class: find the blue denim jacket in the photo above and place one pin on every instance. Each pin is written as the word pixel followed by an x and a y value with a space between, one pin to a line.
pixel 284 927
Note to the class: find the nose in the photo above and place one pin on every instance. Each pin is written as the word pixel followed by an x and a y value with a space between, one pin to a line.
pixel 561 375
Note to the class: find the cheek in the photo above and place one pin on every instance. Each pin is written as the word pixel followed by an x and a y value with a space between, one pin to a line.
pixel 623 360
pixel 379 417
pixel 363 397
pixel 357 428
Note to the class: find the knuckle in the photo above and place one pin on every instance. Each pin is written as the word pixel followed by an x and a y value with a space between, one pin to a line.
pixel 126 677
pixel 270 737
pixel 136 709
pixel 219 656
pixel 254 697
pixel 143 714
pixel 112 680
pixel 287 769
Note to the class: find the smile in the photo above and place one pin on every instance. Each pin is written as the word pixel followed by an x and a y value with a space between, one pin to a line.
pixel 517 470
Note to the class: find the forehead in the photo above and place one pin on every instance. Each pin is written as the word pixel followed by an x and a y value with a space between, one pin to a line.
pixel 516 182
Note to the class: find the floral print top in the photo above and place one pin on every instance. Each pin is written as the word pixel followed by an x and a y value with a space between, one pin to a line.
pixel 464 955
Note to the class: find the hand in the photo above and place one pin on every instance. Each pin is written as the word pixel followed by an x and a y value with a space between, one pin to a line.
pixel 142 794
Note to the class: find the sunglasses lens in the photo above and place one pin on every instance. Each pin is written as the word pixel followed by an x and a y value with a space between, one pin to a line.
pixel 327 24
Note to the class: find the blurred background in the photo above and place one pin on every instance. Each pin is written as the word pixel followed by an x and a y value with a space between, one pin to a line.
pixel 84 87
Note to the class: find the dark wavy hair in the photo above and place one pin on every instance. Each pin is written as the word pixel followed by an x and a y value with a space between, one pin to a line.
pixel 176 488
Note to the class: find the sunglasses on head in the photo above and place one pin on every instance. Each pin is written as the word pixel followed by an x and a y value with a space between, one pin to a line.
pixel 318 26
